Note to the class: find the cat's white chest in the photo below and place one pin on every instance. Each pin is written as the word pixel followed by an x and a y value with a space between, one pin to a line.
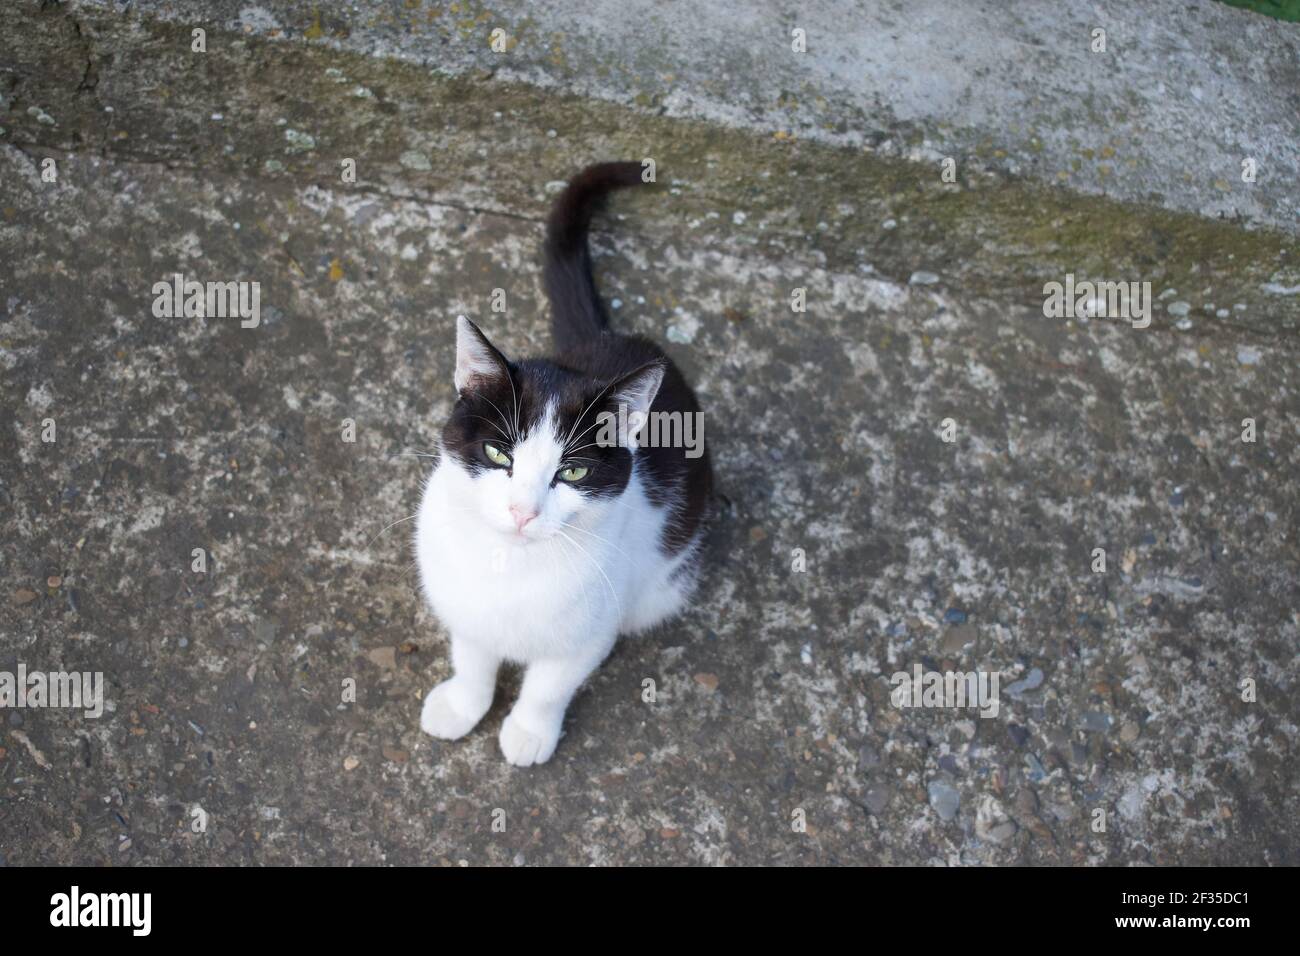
pixel 551 598
pixel 522 601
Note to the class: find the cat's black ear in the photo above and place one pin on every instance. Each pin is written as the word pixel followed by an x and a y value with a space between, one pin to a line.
pixel 477 360
pixel 636 391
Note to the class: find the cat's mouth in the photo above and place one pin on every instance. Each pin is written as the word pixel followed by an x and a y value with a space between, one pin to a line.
pixel 524 537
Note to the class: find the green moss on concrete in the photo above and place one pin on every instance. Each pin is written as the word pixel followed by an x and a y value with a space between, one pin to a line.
pixel 989 235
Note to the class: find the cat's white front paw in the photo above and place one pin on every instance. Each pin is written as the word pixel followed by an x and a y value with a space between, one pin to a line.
pixel 522 747
pixel 445 714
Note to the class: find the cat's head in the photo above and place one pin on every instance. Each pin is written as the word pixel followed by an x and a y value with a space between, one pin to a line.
pixel 530 441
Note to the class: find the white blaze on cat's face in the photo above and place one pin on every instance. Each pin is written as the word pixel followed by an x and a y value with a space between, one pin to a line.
pixel 527 501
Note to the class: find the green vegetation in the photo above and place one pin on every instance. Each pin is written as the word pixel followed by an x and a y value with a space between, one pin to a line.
pixel 1282 9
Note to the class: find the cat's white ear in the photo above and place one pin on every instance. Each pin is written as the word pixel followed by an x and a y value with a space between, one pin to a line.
pixel 477 360
pixel 635 392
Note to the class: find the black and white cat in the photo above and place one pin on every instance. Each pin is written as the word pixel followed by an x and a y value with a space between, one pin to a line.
pixel 539 543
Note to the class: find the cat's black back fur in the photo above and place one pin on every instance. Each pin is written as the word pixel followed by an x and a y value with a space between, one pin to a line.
pixel 583 341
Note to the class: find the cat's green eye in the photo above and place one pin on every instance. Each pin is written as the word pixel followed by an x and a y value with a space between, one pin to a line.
pixel 496 455
pixel 573 474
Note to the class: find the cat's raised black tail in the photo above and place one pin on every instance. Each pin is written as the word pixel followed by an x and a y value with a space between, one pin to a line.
pixel 577 314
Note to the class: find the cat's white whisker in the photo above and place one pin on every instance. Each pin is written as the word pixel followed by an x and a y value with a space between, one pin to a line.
pixel 514 434
pixel 596 564
pixel 604 541
pixel 568 445
pixel 514 398
pixel 387 526
pixel 583 448
pixel 569 439
pixel 494 425
pixel 586 603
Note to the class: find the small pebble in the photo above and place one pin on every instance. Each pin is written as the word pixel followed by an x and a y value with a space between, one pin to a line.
pixel 1096 722
pixel 1036 771
pixel 958 638
pixel 877 799
pixel 944 799
pixel 1002 832
pixel 1030 681
pixel 383 657
pixel 707 681
pixel 412 159
pixel 683 331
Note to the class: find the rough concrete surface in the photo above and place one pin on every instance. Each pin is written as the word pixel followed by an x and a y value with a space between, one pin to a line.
pixel 1164 107
pixel 1121 690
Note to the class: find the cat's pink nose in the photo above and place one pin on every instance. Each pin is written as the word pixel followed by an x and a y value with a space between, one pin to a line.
pixel 522 516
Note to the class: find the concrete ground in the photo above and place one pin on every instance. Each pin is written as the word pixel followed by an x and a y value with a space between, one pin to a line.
pixel 1121 690
pixel 1152 100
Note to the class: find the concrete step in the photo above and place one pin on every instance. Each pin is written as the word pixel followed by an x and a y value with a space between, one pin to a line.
pixel 267 99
